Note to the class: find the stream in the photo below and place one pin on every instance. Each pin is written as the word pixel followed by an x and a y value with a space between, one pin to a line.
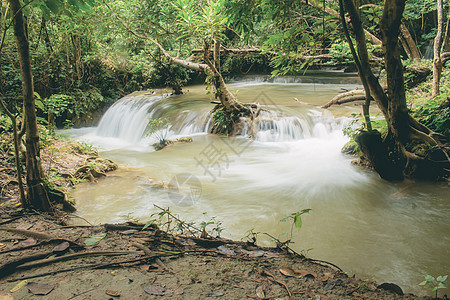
pixel 388 232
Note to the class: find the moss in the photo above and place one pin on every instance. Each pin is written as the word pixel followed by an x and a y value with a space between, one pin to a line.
pixel 351 148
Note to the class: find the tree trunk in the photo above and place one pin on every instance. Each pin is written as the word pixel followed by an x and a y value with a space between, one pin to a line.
pixel 397 162
pixel 361 71
pixel 37 196
pixel 409 43
pixel 437 62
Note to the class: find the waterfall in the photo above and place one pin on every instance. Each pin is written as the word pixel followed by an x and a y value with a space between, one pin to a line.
pixel 128 118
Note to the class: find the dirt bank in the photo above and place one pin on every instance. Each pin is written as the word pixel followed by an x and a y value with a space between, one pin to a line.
pixel 42 257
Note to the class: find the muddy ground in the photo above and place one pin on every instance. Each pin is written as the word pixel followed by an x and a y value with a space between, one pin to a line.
pixel 43 257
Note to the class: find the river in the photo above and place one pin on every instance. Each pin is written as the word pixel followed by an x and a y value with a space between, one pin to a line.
pixel 389 232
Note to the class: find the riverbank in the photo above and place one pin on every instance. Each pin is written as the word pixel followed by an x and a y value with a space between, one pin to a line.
pixel 112 260
pixel 104 261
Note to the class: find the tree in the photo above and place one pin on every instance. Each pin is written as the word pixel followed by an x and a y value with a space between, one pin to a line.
pixel 198 22
pixel 394 156
pixel 437 61
pixel 37 192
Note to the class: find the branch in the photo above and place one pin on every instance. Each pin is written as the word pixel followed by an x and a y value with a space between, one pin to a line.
pixel 373 39
pixel 354 95
pixel 178 61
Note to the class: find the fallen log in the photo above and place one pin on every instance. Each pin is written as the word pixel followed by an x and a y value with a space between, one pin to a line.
pixel 354 95
pixel 445 56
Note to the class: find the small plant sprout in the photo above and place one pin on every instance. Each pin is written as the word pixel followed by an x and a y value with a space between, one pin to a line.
pixel 434 284
pixel 296 218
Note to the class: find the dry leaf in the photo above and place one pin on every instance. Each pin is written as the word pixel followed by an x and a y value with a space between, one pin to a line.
pixel 327 276
pixel 61 247
pixel 28 242
pixel 40 288
pixel 288 271
pixel 112 293
pixel 144 267
pixel 19 286
pixel 155 290
pixel 304 273
pixel 6 297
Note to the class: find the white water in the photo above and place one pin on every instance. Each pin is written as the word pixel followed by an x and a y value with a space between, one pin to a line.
pixel 395 232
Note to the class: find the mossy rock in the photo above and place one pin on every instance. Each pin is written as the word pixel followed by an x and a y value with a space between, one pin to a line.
pixel 351 148
pixel 161 145
pixel 186 139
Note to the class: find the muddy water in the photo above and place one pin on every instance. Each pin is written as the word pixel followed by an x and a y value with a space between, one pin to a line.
pixel 390 232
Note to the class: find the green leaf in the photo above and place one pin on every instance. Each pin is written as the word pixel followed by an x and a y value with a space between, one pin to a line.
pixel 40 105
pixel 442 285
pixel 284 219
pixel 442 278
pixel 423 282
pixel 298 221
pixel 168 251
pixel 94 239
pixel 148 224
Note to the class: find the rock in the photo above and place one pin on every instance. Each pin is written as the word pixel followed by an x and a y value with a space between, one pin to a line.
pixel 186 139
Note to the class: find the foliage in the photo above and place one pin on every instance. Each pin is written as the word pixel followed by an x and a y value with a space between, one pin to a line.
pixel 158 128
pixel 223 122
pixel 432 112
pixel 217 226
pixel 296 219
pixel 174 224
pixel 434 284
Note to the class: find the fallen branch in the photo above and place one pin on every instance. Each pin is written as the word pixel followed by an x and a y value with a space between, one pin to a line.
pixel 30 233
pixel 9 220
pixel 92 266
pixel 46 242
pixel 73 256
pixel 444 57
pixel 354 95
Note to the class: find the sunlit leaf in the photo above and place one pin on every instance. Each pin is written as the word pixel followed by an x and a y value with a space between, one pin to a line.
pixel 94 239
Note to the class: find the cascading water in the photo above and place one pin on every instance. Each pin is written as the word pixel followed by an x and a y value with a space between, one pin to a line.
pixel 394 232
pixel 128 118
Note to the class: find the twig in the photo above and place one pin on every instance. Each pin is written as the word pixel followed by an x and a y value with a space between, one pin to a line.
pixel 74 296
pixel 75 216
pixel 271 277
pixel 302 256
pixel 73 256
